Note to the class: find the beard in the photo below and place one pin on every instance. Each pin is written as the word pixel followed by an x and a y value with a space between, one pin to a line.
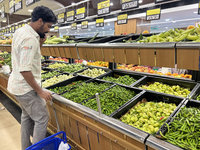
pixel 41 31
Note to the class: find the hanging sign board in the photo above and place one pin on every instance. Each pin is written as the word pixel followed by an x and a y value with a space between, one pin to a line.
pixel 29 2
pixel 23 24
pixel 153 14
pixel 18 5
pixel 16 27
pixel 122 19
pixel 103 7
pixel 84 25
pixel 2 11
pixel 129 4
pixel 10 30
pixel 100 22
pixel 61 18
pixel 73 26
pixel 20 26
pixel 80 13
pixel 11 6
pixel 56 28
pixel 70 15
pixel 13 29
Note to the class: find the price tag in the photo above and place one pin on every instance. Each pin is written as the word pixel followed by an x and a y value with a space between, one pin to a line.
pixel 80 13
pixel 100 22
pixel 8 30
pixel 61 18
pixel 18 5
pixel 56 28
pixel 23 25
pixel 103 7
pixel 153 14
pixel 130 4
pixel 73 26
pixel 122 19
pixel 70 15
pixel 11 6
pixel 29 2
pixel 2 11
pixel 84 25
pixel 20 26
pixel 13 29
pixel 29 22
pixel 160 1
pixel 16 27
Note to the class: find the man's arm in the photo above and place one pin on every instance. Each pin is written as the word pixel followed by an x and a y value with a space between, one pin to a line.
pixel 42 40
pixel 28 76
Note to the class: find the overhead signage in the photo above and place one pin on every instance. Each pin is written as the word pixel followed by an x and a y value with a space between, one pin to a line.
pixel 10 31
pixel 13 29
pixel 56 28
pixel 70 15
pixel 129 4
pixel 61 18
pixel 160 1
pixel 18 5
pixel 29 2
pixel 103 7
pixel 153 14
pixel 84 25
pixel 80 13
pixel 100 22
pixel 2 11
pixel 122 19
pixel 73 26
pixel 11 6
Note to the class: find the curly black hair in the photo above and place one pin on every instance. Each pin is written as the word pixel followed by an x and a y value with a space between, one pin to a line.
pixel 45 13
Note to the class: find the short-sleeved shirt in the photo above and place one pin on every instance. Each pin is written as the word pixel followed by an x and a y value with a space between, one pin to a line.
pixel 26 56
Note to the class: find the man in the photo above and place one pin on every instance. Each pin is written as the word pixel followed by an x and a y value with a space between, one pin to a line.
pixel 25 79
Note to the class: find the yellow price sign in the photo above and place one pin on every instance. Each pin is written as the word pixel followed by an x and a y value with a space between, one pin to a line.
pixel 122 17
pixel 73 26
pixel 56 28
pixel 80 11
pixel 16 27
pixel 153 14
pixel 61 16
pixel 10 29
pixel 100 20
pixel 70 13
pixel 20 26
pixel 125 1
pixel 104 4
pixel 23 25
pixel 11 3
pixel 84 23
pixel 17 1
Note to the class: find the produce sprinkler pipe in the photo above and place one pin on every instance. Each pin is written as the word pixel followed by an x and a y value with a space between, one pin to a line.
pixel 98 104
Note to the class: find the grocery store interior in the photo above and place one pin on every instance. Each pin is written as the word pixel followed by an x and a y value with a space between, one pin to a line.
pixel 123 74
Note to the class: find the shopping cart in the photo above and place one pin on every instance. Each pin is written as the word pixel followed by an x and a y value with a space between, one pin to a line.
pixel 50 143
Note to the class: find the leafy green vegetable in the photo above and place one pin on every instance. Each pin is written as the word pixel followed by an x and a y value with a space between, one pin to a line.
pixel 85 91
pixel 126 80
pixel 198 98
pixel 49 74
pixel 111 100
pixel 71 68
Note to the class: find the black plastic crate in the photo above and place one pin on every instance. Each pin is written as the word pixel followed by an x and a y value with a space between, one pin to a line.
pixel 46 69
pixel 69 81
pixel 149 96
pixel 116 74
pixel 186 84
pixel 46 63
pixel 137 92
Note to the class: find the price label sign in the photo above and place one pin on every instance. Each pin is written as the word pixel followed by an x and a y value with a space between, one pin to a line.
pixel 84 25
pixel 80 13
pixel 61 18
pixel 13 29
pixel 10 30
pixel 70 15
pixel 23 25
pixel 29 2
pixel 103 7
pixel 56 28
pixel 18 5
pixel 153 14
pixel 20 26
pixel 122 19
pixel 16 27
pixel 100 22
pixel 11 6
pixel 160 1
pixel 129 4
pixel 2 11
pixel 73 26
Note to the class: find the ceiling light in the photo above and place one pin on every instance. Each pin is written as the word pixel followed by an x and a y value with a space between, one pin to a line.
pixel 30 10
pixel 89 29
pixel 73 3
pixel 140 1
pixel 110 29
pixel 111 4
pixel 195 12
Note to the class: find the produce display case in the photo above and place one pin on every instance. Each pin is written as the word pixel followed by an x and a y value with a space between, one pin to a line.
pixel 185 84
pixel 107 39
pixel 48 71
pixel 53 62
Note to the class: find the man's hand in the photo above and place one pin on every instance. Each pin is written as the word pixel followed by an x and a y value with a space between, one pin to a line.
pixel 42 40
pixel 45 95
pixel 1 58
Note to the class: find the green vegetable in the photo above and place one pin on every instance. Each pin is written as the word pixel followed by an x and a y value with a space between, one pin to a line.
pixel 198 98
pixel 85 91
pixel 111 100
pixel 126 80
pixel 71 68
pixel 92 72
pixel 93 38
pixel 49 74
pixel 57 65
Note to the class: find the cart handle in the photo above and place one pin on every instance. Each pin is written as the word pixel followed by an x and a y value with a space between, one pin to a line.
pixel 50 137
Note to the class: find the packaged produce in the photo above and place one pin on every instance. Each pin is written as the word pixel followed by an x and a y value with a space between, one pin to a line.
pixel 85 91
pixel 184 130
pixel 164 88
pixel 71 68
pixel 49 74
pixel 111 99
pixel 57 65
pixel 126 79
pixel 55 80
pixel 148 116
pixel 92 72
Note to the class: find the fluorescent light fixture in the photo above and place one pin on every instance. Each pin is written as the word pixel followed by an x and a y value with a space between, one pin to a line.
pixel 111 4
pixel 110 29
pixel 30 10
pixel 140 1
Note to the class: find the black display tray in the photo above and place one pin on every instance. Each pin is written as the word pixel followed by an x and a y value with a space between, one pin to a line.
pixel 186 84
pixel 46 69
pixel 137 91
pixel 69 81
pixel 149 96
pixel 116 74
